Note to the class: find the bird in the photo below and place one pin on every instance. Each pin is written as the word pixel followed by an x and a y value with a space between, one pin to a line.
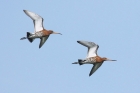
pixel 40 31
pixel 92 56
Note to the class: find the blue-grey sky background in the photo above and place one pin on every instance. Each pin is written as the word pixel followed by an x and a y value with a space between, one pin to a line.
pixel 112 24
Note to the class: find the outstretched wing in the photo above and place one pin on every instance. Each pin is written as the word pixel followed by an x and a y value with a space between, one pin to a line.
pixel 92 48
pixel 38 20
pixel 42 41
pixel 95 67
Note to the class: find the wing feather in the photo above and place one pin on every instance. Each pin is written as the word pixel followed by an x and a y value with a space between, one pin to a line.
pixel 92 48
pixel 37 20
pixel 95 67
pixel 42 41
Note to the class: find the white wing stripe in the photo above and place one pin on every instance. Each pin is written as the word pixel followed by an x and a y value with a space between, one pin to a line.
pixel 38 20
pixel 92 47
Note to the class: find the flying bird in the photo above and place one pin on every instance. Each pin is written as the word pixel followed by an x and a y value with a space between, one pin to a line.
pixel 92 56
pixel 40 31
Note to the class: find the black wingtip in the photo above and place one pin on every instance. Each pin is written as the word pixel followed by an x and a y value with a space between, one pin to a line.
pixel 25 11
pixel 40 46
pixel 90 75
pixel 78 41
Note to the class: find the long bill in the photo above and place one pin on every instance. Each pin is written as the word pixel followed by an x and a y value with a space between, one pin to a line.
pixel 110 60
pixel 56 33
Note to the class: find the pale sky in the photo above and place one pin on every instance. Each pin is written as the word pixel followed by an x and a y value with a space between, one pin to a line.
pixel 112 24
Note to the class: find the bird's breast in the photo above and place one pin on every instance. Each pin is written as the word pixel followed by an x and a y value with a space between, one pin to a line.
pixel 99 59
pixel 45 33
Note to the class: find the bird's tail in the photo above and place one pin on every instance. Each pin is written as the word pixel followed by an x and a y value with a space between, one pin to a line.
pixel 79 62
pixel 28 35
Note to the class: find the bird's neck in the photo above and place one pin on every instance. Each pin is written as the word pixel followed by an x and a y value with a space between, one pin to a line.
pixel 99 59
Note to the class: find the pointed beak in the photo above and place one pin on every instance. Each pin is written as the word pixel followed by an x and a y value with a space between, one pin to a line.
pixel 110 60
pixel 56 33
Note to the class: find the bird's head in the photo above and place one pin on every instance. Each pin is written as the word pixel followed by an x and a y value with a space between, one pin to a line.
pixel 106 59
pixel 52 32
